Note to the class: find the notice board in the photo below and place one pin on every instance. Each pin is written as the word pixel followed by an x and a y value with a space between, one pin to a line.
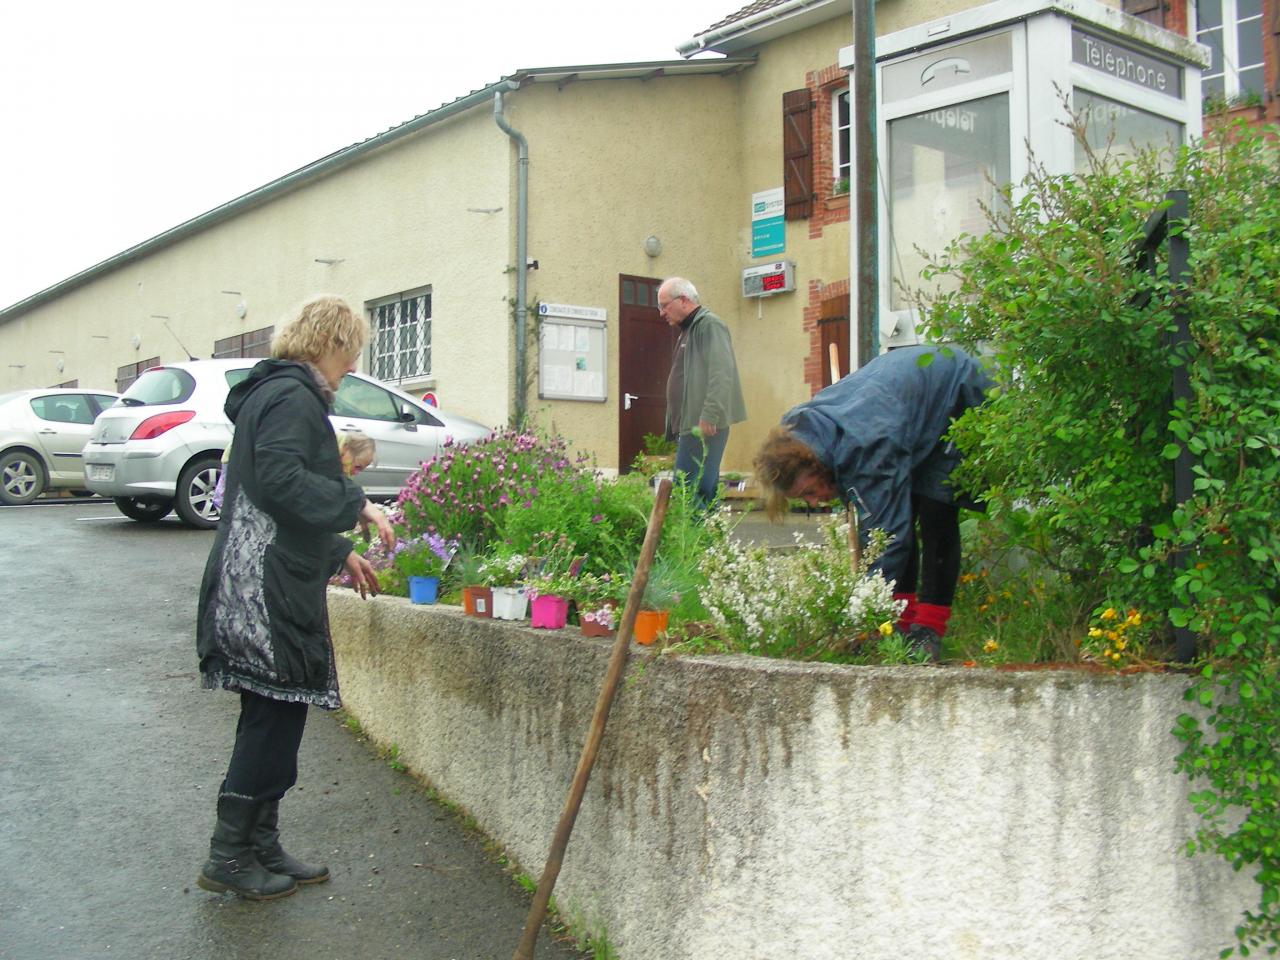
pixel 572 358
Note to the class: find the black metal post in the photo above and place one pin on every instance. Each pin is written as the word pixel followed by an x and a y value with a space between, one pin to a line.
pixel 1178 215
pixel 1169 225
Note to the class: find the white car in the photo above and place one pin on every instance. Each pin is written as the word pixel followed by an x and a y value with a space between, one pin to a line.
pixel 41 435
pixel 160 447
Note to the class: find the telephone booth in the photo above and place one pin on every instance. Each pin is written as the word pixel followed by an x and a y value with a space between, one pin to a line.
pixel 971 100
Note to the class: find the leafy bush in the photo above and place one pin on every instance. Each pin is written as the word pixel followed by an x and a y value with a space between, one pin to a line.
pixel 1077 438
pixel 462 492
pixel 806 603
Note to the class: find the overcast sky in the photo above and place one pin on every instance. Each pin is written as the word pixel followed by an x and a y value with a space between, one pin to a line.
pixel 122 119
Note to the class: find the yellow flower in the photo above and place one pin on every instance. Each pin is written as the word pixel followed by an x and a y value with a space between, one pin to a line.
pixel 1109 614
pixel 990 646
pixel 1134 619
pixel 886 628
pixel 1120 644
pixel 1115 656
pixel 1095 632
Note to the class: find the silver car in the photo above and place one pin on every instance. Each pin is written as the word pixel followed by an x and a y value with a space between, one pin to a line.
pixel 160 447
pixel 41 435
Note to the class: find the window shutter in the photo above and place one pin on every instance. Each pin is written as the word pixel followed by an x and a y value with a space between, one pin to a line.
pixel 1151 11
pixel 797 154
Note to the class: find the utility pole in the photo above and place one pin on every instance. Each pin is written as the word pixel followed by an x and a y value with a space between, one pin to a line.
pixel 865 196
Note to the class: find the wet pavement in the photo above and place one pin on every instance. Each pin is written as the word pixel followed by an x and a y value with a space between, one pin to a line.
pixel 110 756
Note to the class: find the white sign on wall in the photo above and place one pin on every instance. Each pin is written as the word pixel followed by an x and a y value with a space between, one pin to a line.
pixel 572 354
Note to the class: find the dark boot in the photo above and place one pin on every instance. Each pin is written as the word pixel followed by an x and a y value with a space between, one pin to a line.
pixel 232 864
pixel 924 642
pixel 266 844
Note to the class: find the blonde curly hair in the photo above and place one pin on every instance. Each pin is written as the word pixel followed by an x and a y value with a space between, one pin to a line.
pixel 323 326
pixel 781 461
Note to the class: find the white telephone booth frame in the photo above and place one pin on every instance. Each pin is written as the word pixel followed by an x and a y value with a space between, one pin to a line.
pixel 1026 51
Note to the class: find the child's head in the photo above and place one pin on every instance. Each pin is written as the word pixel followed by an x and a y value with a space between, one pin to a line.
pixel 356 450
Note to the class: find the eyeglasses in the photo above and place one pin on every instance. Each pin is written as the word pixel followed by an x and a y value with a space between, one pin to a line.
pixel 663 306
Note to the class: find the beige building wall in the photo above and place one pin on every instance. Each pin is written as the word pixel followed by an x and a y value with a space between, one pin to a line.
pixel 396 220
pixel 611 163
pixel 769 333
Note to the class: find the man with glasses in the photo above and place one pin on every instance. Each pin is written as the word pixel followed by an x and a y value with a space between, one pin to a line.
pixel 704 397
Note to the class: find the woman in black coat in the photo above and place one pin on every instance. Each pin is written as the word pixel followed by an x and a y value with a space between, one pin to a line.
pixel 263 627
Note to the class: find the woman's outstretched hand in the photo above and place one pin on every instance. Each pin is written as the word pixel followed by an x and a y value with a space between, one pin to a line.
pixel 371 513
pixel 363 578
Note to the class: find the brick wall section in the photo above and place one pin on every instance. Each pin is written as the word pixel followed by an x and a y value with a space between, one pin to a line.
pixel 822 84
pixel 813 363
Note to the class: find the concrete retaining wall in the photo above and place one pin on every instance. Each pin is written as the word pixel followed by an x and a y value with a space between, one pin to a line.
pixel 766 810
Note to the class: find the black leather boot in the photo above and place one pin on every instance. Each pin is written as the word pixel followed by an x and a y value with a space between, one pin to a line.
pixel 924 642
pixel 232 864
pixel 266 844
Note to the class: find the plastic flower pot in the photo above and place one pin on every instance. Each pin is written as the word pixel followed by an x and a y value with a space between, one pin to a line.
pixel 423 589
pixel 548 612
pixel 590 627
pixel 509 603
pixel 477 601
pixel 650 623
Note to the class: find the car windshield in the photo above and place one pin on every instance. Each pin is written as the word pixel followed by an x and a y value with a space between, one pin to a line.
pixel 159 386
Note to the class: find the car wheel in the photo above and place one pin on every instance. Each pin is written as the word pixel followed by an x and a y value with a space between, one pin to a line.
pixel 144 511
pixel 21 478
pixel 195 503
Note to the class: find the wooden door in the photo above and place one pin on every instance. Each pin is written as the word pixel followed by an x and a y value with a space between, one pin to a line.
pixel 645 343
pixel 833 327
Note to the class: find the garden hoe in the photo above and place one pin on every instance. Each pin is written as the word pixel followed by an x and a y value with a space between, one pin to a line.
pixel 612 677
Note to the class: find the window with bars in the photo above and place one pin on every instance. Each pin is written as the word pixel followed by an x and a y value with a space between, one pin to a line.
pixel 253 343
pixel 1232 30
pixel 401 326
pixel 132 371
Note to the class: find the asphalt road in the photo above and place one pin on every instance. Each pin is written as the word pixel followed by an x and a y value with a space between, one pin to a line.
pixel 111 754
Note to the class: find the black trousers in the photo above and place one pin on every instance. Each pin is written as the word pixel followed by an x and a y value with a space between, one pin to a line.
pixel 264 760
pixel 933 566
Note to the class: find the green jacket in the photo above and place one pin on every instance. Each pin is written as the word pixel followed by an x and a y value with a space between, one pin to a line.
pixel 711 388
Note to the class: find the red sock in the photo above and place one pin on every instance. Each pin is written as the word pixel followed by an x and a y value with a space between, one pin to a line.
pixel 934 616
pixel 908 615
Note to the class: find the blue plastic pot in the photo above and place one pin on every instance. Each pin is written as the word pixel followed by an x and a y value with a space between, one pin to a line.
pixel 423 589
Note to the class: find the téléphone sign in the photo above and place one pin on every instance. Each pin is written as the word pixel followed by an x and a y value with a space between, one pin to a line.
pixel 1129 65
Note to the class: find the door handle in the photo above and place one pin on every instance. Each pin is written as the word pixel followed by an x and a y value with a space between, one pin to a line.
pixel 627 398
pixel 47 432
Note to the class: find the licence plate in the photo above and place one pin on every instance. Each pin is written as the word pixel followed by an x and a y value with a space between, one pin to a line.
pixel 100 471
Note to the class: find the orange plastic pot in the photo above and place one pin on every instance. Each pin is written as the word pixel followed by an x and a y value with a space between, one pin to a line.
pixel 477 601
pixel 650 623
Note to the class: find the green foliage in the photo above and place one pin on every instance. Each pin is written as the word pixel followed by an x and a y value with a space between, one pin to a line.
pixel 604 520
pixel 657 445
pixel 463 492
pixel 805 603
pixel 1078 437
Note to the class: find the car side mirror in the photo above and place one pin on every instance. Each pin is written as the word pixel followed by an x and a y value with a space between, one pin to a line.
pixel 408 417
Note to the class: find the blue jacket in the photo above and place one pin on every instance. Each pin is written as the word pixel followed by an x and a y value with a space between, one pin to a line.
pixel 880 431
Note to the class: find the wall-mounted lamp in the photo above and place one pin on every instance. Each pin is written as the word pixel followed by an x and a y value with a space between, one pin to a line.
pixel 652 245
pixel 330 261
pixel 136 340
pixel 60 364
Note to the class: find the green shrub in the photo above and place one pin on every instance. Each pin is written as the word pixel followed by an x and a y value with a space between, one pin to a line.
pixel 1077 439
